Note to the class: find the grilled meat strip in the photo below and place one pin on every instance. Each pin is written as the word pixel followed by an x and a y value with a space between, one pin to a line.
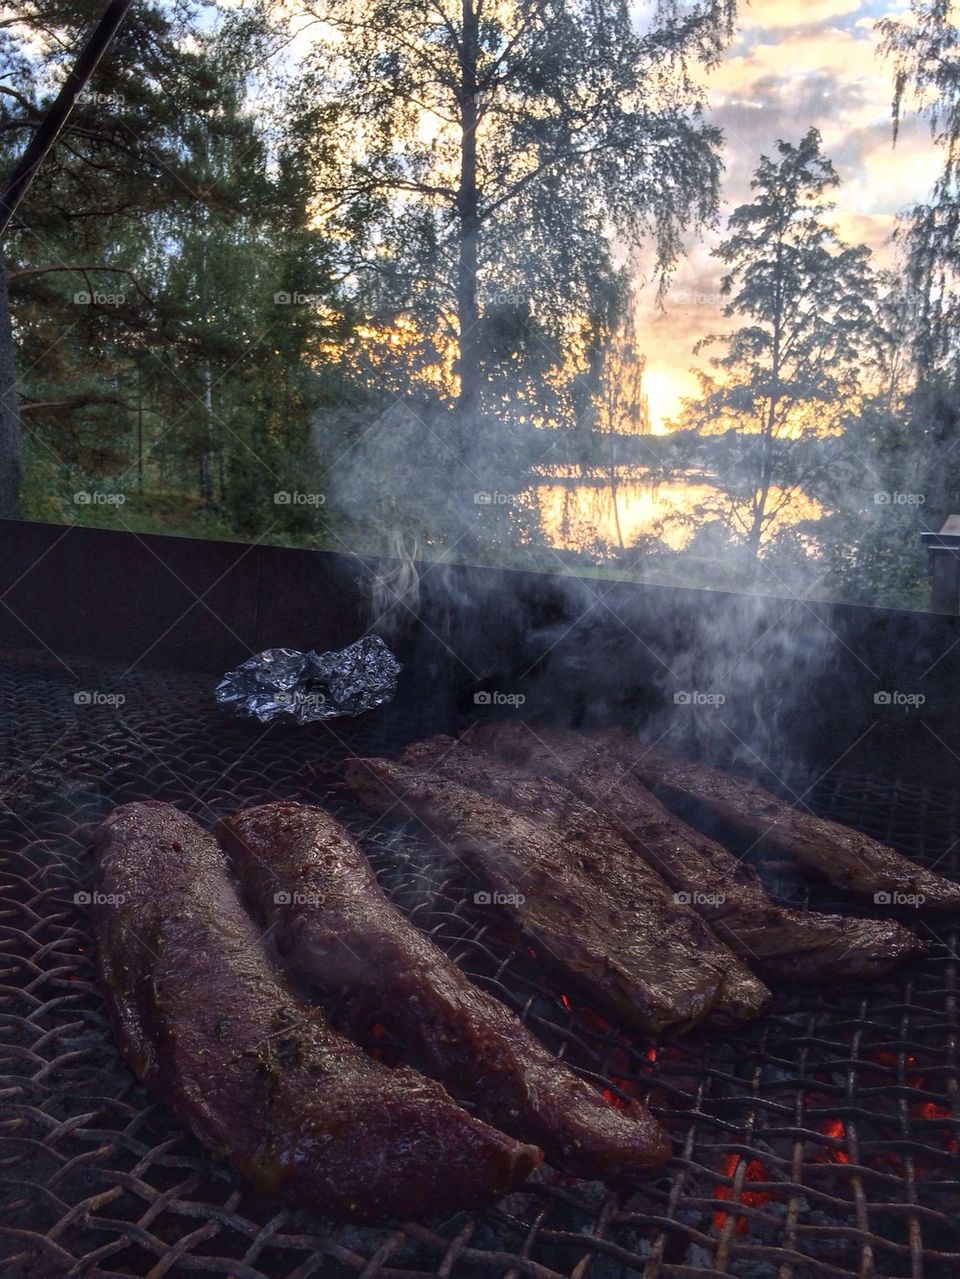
pixel 745 811
pixel 599 923
pixel 554 807
pixel 781 944
pixel 206 1022
pixel 334 926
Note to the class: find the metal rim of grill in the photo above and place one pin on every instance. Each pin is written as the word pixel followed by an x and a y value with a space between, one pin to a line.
pixel 820 1141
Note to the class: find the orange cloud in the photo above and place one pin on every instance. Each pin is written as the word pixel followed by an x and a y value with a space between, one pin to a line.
pixel 791 67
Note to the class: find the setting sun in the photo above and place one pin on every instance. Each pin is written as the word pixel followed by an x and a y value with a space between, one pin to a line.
pixel 665 391
pixel 662 398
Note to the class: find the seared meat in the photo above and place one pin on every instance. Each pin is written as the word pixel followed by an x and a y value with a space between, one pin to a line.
pixel 207 1023
pixel 781 944
pixel 601 923
pixel 552 806
pixel 743 810
pixel 307 879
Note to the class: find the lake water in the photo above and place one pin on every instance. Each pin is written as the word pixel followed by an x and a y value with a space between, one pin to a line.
pixel 577 511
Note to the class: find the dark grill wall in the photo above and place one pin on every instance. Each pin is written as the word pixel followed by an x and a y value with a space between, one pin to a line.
pixel 799 676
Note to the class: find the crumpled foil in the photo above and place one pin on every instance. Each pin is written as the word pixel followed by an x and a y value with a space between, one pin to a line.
pixel 309 687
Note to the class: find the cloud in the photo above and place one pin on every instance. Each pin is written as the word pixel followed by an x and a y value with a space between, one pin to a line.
pixel 791 67
pixel 767 15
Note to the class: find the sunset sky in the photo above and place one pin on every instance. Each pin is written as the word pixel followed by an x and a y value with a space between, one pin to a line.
pixel 790 66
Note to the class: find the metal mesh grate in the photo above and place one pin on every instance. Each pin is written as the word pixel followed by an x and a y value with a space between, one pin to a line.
pixel 822 1141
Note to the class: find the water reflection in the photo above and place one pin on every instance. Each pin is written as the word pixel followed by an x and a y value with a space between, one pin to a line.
pixel 579 511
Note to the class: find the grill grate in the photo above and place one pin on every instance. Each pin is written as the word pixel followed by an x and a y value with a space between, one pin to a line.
pixel 821 1141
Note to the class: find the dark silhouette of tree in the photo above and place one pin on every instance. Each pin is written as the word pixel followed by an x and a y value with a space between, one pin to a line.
pixel 792 370
pixel 465 150
pixel 925 54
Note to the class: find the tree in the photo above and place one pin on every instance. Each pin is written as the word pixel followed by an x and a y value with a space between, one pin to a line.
pixel 117 161
pixel 621 407
pixel 791 373
pixel 925 52
pixel 492 150
pixel 10 444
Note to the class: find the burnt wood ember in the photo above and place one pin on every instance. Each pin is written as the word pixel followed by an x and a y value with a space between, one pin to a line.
pixel 313 886
pixel 254 1070
pixel 780 943
pixel 608 928
pixel 739 806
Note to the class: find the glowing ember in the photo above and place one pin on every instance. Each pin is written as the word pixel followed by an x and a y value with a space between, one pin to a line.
pixel 930 1110
pixel 615 1100
pixel 754 1171
pixel 593 1021
pixel 566 1003
pixel 833 1128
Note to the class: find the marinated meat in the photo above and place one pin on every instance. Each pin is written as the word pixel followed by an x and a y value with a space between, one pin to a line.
pixel 779 943
pixel 313 887
pixel 205 1020
pixel 743 810
pixel 600 922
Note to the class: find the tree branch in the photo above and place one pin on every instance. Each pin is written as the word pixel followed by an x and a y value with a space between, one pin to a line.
pixel 82 270
pixel 74 402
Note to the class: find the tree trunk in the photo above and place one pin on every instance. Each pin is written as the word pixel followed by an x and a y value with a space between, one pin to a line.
pixel 206 465
pixel 767 444
pixel 468 212
pixel 9 408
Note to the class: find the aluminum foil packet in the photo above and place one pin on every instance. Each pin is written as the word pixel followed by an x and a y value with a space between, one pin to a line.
pixel 308 687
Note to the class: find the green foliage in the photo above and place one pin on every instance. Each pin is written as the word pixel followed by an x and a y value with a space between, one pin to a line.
pixel 296 271
pixel 925 53
pixel 791 371
pixel 492 150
